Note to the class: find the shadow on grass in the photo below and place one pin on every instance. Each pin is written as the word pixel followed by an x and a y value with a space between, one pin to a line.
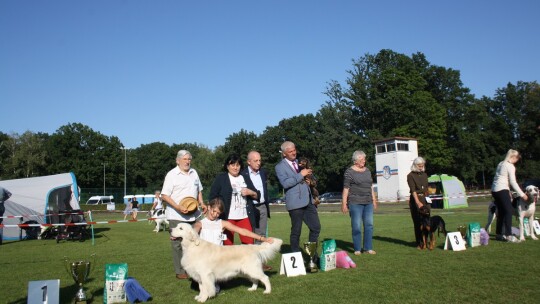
pixel 394 241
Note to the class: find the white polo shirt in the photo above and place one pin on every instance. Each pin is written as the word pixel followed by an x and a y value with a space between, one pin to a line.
pixel 179 185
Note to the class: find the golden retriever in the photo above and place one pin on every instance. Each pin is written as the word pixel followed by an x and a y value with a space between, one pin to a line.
pixel 208 263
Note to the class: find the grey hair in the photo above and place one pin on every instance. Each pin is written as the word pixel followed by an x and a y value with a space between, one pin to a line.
pixel 417 161
pixel 510 154
pixel 181 154
pixel 286 145
pixel 357 154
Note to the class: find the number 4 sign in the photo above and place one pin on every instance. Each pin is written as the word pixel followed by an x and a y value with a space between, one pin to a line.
pixel 454 240
pixel 292 264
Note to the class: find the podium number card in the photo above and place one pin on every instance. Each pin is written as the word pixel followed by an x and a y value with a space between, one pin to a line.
pixel 292 264
pixel 44 292
pixel 536 227
pixel 455 241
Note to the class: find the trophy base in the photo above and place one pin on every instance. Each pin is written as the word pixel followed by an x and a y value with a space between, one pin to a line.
pixel 312 269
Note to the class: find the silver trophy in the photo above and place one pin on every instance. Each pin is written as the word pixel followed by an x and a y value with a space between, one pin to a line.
pixel 79 271
pixel 311 250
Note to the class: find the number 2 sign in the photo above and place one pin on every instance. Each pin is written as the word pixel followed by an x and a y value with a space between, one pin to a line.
pixel 292 264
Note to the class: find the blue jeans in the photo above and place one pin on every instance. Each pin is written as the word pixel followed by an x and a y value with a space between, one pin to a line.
pixel 362 217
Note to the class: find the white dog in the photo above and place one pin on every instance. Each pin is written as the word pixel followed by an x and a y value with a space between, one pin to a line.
pixel 208 263
pixel 522 209
pixel 158 216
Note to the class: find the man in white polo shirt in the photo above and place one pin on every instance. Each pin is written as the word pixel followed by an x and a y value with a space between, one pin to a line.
pixel 182 181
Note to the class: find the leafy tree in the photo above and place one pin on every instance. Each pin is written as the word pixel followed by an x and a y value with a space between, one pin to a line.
pixel 515 111
pixel 388 97
pixel 24 155
pixel 77 148
pixel 240 143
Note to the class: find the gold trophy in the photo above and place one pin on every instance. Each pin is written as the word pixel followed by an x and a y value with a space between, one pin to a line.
pixel 79 270
pixel 462 230
pixel 311 250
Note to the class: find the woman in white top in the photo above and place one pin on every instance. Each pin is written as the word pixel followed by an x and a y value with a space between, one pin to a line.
pixel 237 195
pixel 505 176
pixel 158 203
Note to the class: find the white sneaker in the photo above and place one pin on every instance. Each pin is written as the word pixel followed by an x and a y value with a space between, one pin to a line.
pixel 512 239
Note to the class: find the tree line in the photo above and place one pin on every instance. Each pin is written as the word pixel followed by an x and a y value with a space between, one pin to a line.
pixel 385 95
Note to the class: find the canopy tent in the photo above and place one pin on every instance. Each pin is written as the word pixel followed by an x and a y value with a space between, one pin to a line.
pixel 447 191
pixel 39 199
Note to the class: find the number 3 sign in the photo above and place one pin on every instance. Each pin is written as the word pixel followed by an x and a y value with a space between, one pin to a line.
pixel 454 240
pixel 292 264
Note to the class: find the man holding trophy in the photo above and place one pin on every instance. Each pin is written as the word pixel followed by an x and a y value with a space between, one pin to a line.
pixel 299 202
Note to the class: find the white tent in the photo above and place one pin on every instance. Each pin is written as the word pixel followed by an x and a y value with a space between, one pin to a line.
pixel 40 199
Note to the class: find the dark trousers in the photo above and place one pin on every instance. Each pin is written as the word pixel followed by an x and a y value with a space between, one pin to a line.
pixel 2 210
pixel 415 214
pixel 309 216
pixel 176 249
pixel 503 201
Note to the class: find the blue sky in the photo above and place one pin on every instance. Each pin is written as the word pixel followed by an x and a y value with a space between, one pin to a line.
pixel 199 71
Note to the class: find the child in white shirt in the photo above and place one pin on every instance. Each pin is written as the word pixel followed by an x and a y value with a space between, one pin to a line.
pixel 211 227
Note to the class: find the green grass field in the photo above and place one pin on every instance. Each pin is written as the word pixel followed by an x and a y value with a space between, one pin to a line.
pixel 398 273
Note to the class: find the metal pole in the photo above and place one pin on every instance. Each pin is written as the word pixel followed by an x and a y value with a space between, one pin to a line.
pixel 103 179
pixel 125 170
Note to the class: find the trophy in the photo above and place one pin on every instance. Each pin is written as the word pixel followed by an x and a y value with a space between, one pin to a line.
pixel 311 250
pixel 79 270
pixel 463 230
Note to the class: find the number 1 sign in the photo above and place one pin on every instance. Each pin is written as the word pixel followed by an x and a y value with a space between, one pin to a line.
pixel 44 292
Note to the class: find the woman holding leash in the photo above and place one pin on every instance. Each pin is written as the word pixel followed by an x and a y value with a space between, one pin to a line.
pixel 505 176
pixel 417 180
pixel 359 200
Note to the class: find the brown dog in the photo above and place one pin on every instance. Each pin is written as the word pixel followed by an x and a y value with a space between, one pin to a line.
pixel 310 179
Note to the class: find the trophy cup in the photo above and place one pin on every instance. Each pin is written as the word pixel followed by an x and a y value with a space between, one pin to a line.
pixel 79 270
pixel 462 230
pixel 311 250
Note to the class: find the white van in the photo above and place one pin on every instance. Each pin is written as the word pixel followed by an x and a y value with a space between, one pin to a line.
pixel 96 200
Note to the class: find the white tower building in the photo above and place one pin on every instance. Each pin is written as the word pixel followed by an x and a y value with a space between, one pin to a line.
pixel 393 160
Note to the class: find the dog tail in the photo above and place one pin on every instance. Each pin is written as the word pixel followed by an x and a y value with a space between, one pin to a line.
pixel 267 251
pixel 442 228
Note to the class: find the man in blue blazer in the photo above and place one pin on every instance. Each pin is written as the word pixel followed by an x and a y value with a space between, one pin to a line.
pixel 298 198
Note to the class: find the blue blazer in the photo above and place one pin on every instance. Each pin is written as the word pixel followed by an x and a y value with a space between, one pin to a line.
pixel 297 193
pixel 264 178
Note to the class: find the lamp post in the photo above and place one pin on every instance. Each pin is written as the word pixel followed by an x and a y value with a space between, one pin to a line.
pixel 125 170
pixel 104 179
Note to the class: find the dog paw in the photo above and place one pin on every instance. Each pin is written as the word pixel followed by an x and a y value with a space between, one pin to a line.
pixel 266 292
